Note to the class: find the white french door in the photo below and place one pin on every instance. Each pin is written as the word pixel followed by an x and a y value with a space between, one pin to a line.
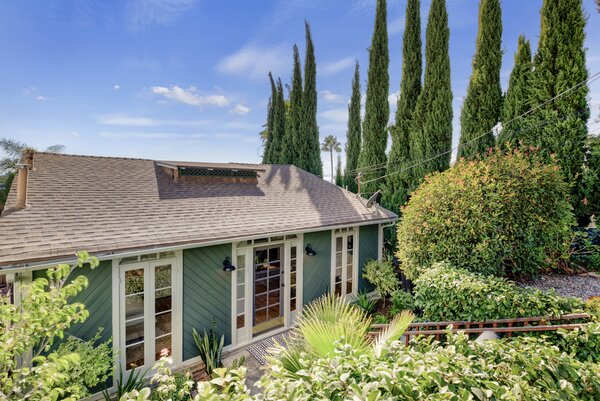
pixel 344 263
pixel 149 318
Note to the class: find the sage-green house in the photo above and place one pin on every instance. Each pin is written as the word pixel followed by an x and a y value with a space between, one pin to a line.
pixel 183 245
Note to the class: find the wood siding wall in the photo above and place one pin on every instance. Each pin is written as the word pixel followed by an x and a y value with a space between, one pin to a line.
pixel 97 298
pixel 206 294
pixel 317 269
pixel 367 249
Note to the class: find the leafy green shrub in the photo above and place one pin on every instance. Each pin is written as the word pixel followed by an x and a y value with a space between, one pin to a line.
pixel 401 301
pixel 95 360
pixel 211 349
pixel 383 276
pixel 585 250
pixel 378 318
pixel 365 303
pixel 461 370
pixel 592 305
pixel 505 214
pixel 583 344
pixel 134 382
pixel 447 293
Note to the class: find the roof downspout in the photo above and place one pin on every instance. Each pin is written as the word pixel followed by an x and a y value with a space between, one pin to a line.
pixel 23 167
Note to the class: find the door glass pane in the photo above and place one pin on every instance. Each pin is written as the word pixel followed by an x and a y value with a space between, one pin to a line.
pixel 349 287
pixel 339 243
pixel 338 289
pixel 134 356
pixel 163 347
pixel 163 324
pixel 134 281
pixel 260 286
pixel 134 331
pixel 350 242
pixel 162 276
pixel 134 306
pixel 338 259
pixel 162 300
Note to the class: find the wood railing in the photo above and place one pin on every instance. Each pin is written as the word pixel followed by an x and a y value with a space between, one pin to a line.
pixel 501 326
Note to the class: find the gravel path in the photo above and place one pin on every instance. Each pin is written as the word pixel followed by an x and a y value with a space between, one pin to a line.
pixel 582 286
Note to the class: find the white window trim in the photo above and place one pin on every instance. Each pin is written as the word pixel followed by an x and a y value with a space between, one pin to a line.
pixel 355 259
pixel 118 310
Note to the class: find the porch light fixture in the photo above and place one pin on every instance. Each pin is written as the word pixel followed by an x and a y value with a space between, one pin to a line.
pixel 227 266
pixel 309 251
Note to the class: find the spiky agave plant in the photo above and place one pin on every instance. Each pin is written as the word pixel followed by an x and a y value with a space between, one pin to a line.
pixel 331 320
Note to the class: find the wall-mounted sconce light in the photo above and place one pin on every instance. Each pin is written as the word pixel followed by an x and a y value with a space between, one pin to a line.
pixel 309 251
pixel 227 266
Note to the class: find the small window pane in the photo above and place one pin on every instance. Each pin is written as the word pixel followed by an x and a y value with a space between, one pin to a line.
pixel 274 312
pixel 293 265
pixel 240 305
pixel 163 324
pixel 240 291
pixel 241 261
pixel 338 259
pixel 134 356
pixel 6 289
pixel 261 256
pixel 129 259
pixel 163 347
pixel 151 256
pixel 350 243
pixel 240 321
pixel 274 283
pixel 293 304
pixel 349 271
pixel 293 292
pixel 339 243
pixel 260 286
pixel 293 252
pixel 162 276
pixel 349 287
pixel 293 279
pixel 338 289
pixel 241 276
pixel 274 254
pixel 277 238
pixel 134 332
pixel 260 301
pixel 165 255
pixel 134 306
pixel 162 301
pixel 260 316
pixel 134 281
pixel 261 240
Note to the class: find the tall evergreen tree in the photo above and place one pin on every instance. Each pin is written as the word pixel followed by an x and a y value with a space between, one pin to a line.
pixel 308 140
pixel 431 133
pixel 279 117
pixel 267 158
pixel 377 108
pixel 516 99
pixel 483 104
pixel 397 185
pixel 339 175
pixel 354 133
pixel 559 127
pixel 293 132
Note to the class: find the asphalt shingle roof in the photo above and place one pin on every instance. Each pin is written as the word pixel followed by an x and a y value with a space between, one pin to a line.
pixel 108 204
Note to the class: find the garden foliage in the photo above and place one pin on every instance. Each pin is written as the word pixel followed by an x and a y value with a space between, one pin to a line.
pixel 383 276
pixel 446 293
pixel 33 327
pixel 507 214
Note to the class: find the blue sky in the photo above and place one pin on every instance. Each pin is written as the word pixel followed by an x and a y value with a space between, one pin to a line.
pixel 187 79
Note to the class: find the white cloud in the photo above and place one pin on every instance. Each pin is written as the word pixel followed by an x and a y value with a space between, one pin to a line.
pixel 240 109
pixel 33 91
pixel 147 135
pixel 157 12
pixel 331 97
pixel 339 115
pixel 334 67
pixel 40 98
pixel 117 87
pixel 189 96
pixel 255 62
pixel 396 26
pixel 30 90
pixel 393 98
pixel 131 121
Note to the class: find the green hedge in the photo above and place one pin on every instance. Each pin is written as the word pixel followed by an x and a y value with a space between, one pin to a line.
pixel 507 214
pixel 448 293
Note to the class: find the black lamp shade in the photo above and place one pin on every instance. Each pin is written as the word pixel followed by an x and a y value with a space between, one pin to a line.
pixel 227 266
pixel 309 251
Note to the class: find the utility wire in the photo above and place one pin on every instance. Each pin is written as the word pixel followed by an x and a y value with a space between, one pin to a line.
pixel 589 80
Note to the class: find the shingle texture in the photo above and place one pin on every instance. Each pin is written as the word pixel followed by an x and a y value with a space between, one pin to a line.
pixel 105 204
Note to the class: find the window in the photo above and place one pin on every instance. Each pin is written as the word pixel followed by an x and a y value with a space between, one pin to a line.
pixel 148 310
pixel 240 291
pixel 7 288
pixel 293 277
pixel 344 263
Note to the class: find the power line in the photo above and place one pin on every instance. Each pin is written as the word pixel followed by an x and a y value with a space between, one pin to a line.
pixel 589 80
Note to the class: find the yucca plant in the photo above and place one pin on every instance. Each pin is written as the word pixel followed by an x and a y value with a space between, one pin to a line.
pixel 331 320
pixel 210 349
pixel 135 381
pixel 365 303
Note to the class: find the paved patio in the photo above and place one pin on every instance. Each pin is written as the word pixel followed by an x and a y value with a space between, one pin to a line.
pixel 255 368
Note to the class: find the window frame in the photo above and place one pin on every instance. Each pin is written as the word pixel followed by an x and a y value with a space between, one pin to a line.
pixel 344 232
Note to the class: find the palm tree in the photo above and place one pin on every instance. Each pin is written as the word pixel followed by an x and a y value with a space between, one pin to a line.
pixel 330 143
pixel 11 151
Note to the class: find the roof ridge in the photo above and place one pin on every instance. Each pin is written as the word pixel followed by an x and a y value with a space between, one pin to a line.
pixel 92 156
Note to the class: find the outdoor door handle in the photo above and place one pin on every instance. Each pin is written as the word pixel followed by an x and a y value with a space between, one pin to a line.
pixel 282 284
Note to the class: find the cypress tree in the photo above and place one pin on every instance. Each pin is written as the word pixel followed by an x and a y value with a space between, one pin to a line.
pixel 279 117
pixel 377 109
pixel 308 139
pixel 431 133
pixel 267 158
pixel 290 150
pixel 397 185
pixel 339 176
pixel 516 99
pixel 353 135
pixel 559 127
pixel 483 104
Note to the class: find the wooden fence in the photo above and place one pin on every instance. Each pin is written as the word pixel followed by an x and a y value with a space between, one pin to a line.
pixel 501 326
